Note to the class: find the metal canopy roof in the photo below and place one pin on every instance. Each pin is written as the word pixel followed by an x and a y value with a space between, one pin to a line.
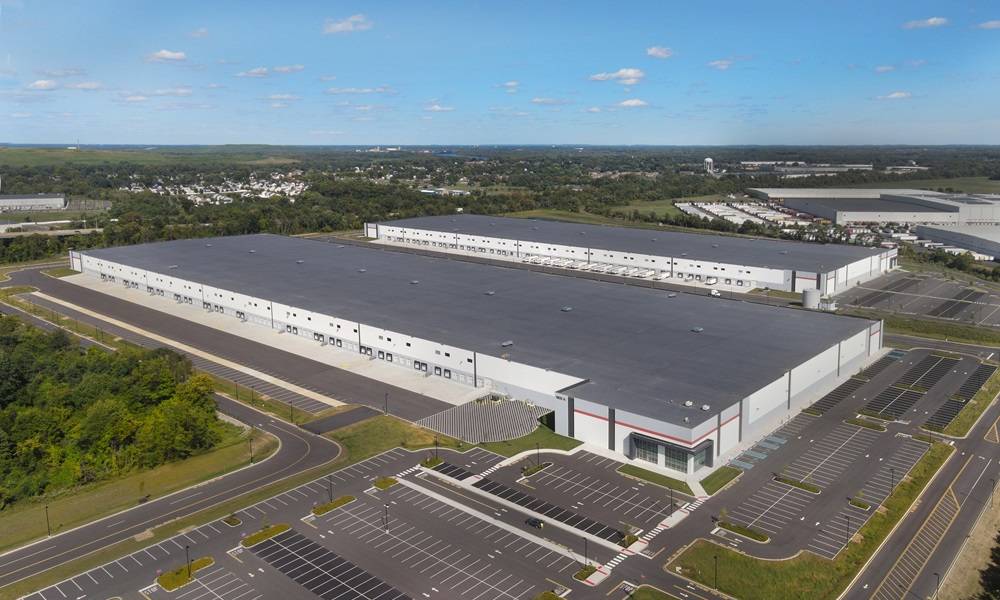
pixel 745 251
pixel 633 345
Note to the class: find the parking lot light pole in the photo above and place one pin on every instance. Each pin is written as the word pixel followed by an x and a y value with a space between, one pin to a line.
pixel 250 440
pixel 892 480
pixel 847 534
pixel 387 518
pixel 48 529
pixel 716 571
pixel 329 487
pixel 187 559
pixel 586 561
pixel 937 585
pixel 436 448
pixel 671 501
pixel 538 457
pixel 385 408
pixel 993 485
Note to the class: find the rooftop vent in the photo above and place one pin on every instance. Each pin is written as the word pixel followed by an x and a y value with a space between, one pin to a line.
pixel 299 262
pixel 715 245
pixel 688 403
pixel 705 407
pixel 490 293
pixel 566 308
pixel 697 329
pixel 672 295
pixel 362 270
pixel 208 245
pixel 172 267
pixel 535 228
pixel 784 251
pixel 414 282
pixel 340 246
pixel 252 251
pixel 687 420
pixel 507 344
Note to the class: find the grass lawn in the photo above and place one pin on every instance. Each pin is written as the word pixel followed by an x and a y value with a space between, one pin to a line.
pixel 322 509
pixel 243 394
pixel 719 478
pixel 973 409
pixel 542 435
pixel 656 478
pixel 749 532
pixel 548 595
pixel 650 593
pixel 807 575
pixel 939 330
pixel 969 185
pixel 585 572
pixel 265 533
pixel 865 423
pixel 385 432
pixel 384 483
pixel 565 215
pixel 60 272
pixel 802 485
pixel 25 521
pixel 171 580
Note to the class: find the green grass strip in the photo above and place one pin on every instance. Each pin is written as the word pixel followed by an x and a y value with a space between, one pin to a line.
pixel 865 423
pixel 585 572
pixel 322 509
pixel 656 478
pixel 719 478
pixel 264 534
pixel 749 532
pixel 172 580
pixel 802 485
pixel 384 483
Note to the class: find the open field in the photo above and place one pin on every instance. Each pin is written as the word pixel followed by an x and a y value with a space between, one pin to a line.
pixel 384 432
pixel 33 157
pixel 969 185
pixel 26 521
pixel 565 215
pixel 665 208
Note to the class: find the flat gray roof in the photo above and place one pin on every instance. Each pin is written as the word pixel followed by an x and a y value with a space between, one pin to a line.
pixel 874 205
pixel 812 193
pixel 635 345
pixel 989 233
pixel 746 251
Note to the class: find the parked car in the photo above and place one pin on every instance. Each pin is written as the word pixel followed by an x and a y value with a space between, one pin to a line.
pixel 536 523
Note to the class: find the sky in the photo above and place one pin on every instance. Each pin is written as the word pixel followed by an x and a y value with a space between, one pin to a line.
pixel 512 72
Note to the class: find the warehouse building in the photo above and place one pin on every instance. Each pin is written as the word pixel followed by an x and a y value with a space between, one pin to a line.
pixel 686 258
pixel 846 206
pixel 981 239
pixel 675 380
pixel 13 202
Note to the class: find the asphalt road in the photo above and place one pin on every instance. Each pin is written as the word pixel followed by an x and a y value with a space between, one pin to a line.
pixel 299 451
pixel 336 383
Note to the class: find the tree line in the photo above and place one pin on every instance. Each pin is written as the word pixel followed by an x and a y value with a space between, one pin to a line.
pixel 71 416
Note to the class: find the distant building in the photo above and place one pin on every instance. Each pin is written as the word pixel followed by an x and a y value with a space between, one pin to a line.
pixel 12 202
pixel 981 240
pixel 845 206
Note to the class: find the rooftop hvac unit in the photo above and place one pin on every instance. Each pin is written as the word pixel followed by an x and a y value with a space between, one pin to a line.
pixel 688 403
pixel 705 407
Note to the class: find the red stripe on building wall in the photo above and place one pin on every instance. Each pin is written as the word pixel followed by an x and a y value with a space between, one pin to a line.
pixel 657 433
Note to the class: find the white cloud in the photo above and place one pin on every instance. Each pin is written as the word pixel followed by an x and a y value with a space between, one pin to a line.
pixel 626 76
pixel 257 72
pixel 511 87
pixel 659 52
pixel 215 86
pixel 594 109
pixel 43 84
pixel 201 32
pixel 283 97
pixel 989 25
pixel 352 23
pixel 288 69
pixel 885 68
pixel 339 91
pixel 88 86
pixel 925 23
pixel 178 91
pixel 135 98
pixel 550 101
pixel 633 103
pixel 896 96
pixel 722 64
pixel 60 73
pixel 279 105
pixel 438 108
pixel 915 63
pixel 20 115
pixel 166 56
pixel 328 78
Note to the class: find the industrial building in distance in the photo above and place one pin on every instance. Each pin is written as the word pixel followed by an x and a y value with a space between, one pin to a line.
pixel 847 206
pixel 24 202
pixel 680 381
pixel 689 258
pixel 984 240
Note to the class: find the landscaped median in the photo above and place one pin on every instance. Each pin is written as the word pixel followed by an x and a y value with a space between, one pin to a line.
pixel 266 533
pixel 585 572
pixel 860 422
pixel 322 509
pixel 656 478
pixel 719 479
pixel 181 576
pixel 384 483
pixel 806 575
pixel 747 532
pixel 802 485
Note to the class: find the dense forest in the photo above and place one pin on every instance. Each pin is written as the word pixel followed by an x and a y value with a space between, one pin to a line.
pixel 70 416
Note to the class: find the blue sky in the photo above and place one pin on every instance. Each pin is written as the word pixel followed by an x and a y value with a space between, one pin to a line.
pixel 513 72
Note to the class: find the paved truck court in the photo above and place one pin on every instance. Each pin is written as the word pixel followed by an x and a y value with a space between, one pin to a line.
pixel 928 295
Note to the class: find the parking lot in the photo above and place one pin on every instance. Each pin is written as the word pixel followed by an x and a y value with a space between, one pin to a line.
pixel 212 583
pixel 930 296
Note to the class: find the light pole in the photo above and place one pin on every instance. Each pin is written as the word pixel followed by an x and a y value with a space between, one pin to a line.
pixel 187 559
pixel 586 561
pixel 291 413
pixel 385 409
pixel 250 439
pixel 251 394
pixel 671 501
pixel 435 448
pixel 48 529
pixel 387 518
pixel 538 457
pixel 329 487
pixel 847 534
pixel 716 557
pixel 937 585
pixel 993 485
pixel 892 480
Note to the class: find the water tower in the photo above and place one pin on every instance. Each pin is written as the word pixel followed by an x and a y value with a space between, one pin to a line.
pixel 709 166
